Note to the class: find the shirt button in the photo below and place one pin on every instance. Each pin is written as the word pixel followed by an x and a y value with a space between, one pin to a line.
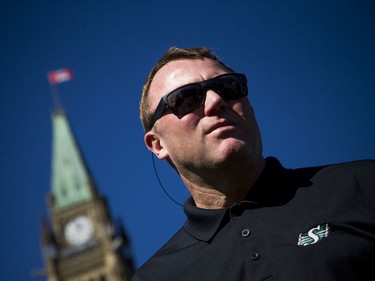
pixel 255 256
pixel 245 232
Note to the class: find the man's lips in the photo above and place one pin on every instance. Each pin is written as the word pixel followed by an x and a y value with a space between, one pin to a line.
pixel 219 125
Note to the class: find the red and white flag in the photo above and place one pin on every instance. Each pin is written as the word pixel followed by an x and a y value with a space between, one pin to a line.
pixel 59 76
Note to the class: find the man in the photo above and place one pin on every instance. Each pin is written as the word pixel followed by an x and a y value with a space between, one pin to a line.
pixel 248 218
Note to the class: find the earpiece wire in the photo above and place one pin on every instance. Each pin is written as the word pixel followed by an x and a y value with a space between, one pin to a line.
pixel 161 185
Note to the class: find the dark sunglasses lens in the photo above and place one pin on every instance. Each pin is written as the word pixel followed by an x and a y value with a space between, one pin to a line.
pixel 186 99
pixel 190 97
pixel 230 87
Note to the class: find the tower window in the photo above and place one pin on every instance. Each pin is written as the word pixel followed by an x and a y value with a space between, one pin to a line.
pixel 77 185
pixel 64 193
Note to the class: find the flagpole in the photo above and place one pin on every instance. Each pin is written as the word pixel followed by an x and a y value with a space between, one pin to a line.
pixel 54 78
pixel 56 102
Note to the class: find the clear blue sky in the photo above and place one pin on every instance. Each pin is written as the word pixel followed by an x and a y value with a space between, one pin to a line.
pixel 311 71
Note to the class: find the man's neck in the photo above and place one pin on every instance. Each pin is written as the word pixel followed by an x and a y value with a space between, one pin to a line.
pixel 223 189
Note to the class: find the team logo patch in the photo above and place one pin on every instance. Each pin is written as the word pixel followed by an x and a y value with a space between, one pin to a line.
pixel 314 235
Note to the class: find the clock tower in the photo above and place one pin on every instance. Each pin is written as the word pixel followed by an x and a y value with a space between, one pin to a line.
pixel 80 241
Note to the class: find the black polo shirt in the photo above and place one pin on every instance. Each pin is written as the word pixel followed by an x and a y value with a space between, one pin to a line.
pixel 296 224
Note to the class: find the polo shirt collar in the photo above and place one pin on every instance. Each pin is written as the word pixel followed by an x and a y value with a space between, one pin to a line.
pixel 203 224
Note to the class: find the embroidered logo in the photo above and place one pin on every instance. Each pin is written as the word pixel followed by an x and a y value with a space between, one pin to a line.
pixel 314 235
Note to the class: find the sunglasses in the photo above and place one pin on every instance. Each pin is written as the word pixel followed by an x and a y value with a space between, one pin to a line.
pixel 230 87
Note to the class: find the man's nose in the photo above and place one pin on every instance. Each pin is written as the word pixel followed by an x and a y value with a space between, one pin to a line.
pixel 214 102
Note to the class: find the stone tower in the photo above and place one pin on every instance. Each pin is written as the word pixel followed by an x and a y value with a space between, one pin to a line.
pixel 80 241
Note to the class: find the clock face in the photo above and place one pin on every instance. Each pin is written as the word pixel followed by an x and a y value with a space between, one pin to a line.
pixel 78 231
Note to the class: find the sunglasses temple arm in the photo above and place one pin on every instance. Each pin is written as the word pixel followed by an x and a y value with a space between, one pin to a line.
pixel 158 112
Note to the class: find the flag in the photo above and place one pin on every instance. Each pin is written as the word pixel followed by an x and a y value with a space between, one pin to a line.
pixel 59 76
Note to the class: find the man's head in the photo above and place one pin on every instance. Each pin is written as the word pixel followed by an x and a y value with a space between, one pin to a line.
pixel 220 129
pixel 172 54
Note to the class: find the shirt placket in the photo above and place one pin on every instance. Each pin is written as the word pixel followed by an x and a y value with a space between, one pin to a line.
pixel 249 241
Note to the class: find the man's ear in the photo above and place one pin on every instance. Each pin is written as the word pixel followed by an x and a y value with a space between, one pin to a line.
pixel 155 145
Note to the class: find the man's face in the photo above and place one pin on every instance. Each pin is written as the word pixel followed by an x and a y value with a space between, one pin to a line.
pixel 218 133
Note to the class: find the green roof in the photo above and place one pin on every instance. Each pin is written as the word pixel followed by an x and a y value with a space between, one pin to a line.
pixel 70 176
